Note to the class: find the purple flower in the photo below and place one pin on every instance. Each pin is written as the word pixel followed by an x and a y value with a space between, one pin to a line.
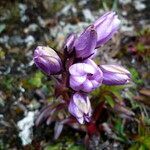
pixel 105 27
pixel 85 76
pixel 80 107
pixel 47 60
pixel 69 44
pixel 86 43
pixel 115 75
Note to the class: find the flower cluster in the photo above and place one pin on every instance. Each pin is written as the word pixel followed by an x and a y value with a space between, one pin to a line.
pixel 77 71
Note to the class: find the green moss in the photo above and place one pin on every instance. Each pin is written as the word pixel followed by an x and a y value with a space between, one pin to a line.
pixel 7 82
pixel 34 81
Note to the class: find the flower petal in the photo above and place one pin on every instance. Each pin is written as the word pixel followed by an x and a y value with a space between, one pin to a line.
pixel 86 43
pixel 87 86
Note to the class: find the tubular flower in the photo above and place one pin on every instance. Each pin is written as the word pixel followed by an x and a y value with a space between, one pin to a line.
pixel 47 60
pixel 105 27
pixel 85 76
pixel 115 75
pixel 80 107
pixel 79 75
pixel 86 43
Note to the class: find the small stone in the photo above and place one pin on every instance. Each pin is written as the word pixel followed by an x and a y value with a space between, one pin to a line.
pixel 29 40
pixel 31 28
pixel 139 5
pixel 22 9
pixel 25 125
pixel 16 40
pixel 67 9
pixel 88 15
pixel 4 39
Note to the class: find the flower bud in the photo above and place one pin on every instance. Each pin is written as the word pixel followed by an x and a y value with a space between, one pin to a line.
pixel 86 43
pixel 80 107
pixel 69 44
pixel 47 60
pixel 85 76
pixel 105 27
pixel 115 75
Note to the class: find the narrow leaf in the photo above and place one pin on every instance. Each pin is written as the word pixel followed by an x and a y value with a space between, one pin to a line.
pixel 58 129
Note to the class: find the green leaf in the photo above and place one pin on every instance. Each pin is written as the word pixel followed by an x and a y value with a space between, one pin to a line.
pixel 117 94
pixel 135 76
pixel 119 128
pixel 110 101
